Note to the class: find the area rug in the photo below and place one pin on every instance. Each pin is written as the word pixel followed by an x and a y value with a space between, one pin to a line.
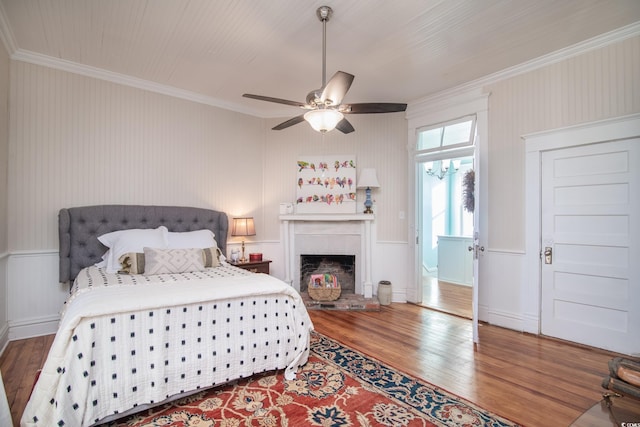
pixel 338 387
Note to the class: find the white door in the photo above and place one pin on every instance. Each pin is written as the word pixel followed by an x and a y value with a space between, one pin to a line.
pixel 431 223
pixel 590 241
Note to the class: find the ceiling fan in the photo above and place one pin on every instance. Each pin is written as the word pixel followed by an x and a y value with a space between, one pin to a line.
pixel 325 109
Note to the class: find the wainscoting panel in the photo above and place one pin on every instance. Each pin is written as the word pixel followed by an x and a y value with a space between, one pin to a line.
pixel 500 300
pixel 35 297
pixel 4 323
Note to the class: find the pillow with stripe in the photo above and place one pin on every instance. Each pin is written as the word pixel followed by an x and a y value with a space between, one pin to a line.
pixel 167 261
pixel 133 262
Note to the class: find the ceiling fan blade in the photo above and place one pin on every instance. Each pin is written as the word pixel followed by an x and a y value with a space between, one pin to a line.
pixel 336 88
pixel 276 100
pixel 293 121
pixel 373 107
pixel 344 126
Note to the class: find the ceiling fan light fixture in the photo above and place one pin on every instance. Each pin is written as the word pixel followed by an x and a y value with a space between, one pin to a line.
pixel 323 120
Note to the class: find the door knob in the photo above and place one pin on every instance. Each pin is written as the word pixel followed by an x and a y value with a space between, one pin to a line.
pixel 477 248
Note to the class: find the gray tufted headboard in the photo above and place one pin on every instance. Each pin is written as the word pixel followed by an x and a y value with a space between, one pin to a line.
pixel 80 227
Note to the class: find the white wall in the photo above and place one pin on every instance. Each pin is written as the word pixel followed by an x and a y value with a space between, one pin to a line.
pixel 595 85
pixel 4 161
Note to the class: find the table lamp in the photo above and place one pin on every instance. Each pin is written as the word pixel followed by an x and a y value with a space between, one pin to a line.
pixel 368 180
pixel 243 227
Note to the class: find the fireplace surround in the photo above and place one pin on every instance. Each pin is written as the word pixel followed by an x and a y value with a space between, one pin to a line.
pixel 329 234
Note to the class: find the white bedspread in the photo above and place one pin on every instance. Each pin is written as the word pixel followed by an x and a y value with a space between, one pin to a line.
pixel 139 340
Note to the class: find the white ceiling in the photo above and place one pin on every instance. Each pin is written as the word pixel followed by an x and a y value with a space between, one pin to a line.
pixel 399 50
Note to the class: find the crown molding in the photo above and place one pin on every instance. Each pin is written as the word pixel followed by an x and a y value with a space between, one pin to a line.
pixel 17 54
pixel 126 80
pixel 585 46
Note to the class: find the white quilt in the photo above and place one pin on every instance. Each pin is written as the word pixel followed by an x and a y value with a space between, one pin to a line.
pixel 130 340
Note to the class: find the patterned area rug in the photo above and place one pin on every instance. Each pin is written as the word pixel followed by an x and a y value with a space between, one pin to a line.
pixel 337 387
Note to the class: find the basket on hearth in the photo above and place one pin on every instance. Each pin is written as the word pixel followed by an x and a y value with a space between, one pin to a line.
pixel 324 287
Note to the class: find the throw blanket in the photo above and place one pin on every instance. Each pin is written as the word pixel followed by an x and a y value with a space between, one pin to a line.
pixel 127 344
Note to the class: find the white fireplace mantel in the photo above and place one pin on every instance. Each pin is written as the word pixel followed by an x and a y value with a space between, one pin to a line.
pixel 289 231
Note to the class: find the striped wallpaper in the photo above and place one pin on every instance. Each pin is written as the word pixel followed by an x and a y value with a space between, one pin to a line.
pixel 4 144
pixel 77 141
pixel 596 85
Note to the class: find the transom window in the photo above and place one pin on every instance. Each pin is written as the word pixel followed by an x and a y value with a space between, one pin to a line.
pixel 456 133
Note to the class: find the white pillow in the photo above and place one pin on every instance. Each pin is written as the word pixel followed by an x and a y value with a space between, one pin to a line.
pixel 105 257
pixel 200 239
pixel 133 240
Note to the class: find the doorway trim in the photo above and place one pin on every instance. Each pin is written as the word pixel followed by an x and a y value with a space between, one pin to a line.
pixel 535 144
pixel 427 112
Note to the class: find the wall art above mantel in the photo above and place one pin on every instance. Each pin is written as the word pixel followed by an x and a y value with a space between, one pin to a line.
pixel 326 184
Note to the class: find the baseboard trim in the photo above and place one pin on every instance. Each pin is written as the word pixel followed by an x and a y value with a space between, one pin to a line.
pixel 34 327
pixel 502 318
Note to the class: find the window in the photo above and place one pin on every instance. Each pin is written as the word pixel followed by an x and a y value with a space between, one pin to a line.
pixel 456 133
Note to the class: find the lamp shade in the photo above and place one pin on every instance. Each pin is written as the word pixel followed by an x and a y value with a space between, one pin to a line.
pixel 323 120
pixel 243 227
pixel 368 179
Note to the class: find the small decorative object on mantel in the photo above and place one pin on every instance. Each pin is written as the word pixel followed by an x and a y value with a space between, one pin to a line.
pixel 468 188
pixel 368 180
pixel 324 287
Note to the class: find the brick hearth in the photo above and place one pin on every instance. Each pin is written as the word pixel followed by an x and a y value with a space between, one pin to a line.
pixel 345 302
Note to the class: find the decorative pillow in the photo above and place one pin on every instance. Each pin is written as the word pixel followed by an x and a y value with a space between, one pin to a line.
pixel 133 240
pixel 201 239
pixel 211 256
pixel 132 263
pixel 165 261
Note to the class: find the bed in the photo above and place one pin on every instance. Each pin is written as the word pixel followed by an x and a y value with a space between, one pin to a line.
pixel 128 341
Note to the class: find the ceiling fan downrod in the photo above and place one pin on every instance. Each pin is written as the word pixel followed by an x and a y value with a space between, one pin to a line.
pixel 324 14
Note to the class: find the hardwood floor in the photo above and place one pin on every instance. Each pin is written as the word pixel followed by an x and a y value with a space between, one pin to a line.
pixel 19 363
pixel 447 297
pixel 530 380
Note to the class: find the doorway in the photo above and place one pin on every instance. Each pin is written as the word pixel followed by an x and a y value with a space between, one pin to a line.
pixel 445 129
pixel 582 234
pixel 447 236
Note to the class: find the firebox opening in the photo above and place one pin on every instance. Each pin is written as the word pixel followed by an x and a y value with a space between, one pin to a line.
pixel 342 266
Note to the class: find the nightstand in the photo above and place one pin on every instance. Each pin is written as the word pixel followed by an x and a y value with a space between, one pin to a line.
pixel 253 266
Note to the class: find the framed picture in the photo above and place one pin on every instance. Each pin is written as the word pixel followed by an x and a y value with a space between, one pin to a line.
pixel 326 184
